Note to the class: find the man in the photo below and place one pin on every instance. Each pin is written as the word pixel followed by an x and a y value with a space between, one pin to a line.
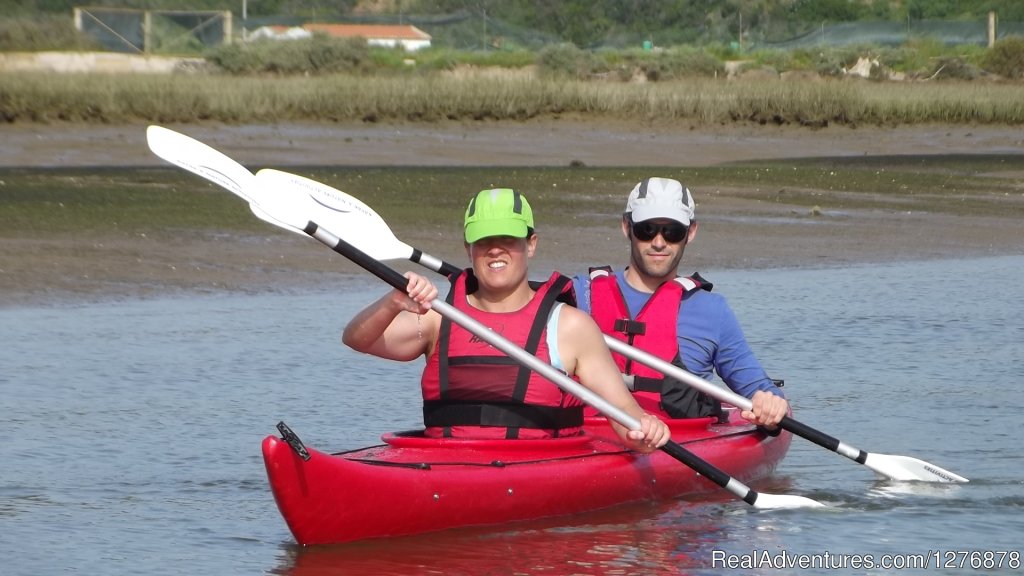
pixel 472 390
pixel 677 319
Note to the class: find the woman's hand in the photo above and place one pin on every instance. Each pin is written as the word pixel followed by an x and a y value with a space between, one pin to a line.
pixel 419 293
pixel 653 434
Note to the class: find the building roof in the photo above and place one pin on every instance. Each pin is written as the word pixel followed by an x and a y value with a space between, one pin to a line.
pixel 370 31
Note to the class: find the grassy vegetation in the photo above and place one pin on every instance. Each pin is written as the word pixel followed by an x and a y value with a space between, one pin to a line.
pixel 42 32
pixel 187 98
pixel 918 58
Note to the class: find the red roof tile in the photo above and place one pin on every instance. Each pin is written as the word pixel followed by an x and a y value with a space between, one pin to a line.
pixel 370 31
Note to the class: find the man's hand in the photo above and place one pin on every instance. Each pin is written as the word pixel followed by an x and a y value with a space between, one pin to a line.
pixel 767 410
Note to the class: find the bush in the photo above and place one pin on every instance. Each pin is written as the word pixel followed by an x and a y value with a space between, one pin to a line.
pixel 683 62
pixel 565 60
pixel 954 68
pixel 317 55
pixel 43 32
pixel 238 58
pixel 775 59
pixel 338 55
pixel 1006 58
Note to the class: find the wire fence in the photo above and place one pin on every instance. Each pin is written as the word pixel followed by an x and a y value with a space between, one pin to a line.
pixel 154 31
pixel 127 30
pixel 898 33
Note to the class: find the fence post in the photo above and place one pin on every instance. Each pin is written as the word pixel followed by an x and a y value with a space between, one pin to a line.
pixel 147 31
pixel 991 28
pixel 226 15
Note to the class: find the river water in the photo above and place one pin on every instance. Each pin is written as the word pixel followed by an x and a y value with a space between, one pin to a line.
pixel 132 434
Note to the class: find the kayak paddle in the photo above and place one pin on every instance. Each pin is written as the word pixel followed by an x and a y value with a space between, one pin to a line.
pixel 378 240
pixel 385 246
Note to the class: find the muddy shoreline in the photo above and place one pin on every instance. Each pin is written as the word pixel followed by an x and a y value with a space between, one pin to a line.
pixel 531 143
pixel 738 230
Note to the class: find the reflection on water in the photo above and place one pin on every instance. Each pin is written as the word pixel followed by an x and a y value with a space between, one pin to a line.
pixel 134 427
pixel 645 538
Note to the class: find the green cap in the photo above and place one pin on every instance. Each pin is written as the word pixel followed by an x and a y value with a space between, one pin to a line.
pixel 498 212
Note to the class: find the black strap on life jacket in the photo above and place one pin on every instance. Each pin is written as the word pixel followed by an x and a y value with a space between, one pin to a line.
pixel 630 327
pixel 566 294
pixel 445 413
pixel 648 384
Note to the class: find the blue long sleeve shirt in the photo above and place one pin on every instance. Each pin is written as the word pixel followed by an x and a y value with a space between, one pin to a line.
pixel 710 337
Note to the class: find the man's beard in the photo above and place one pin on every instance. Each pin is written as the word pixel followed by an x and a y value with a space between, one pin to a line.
pixel 669 268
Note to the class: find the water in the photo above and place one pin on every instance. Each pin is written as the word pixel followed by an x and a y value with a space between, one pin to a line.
pixel 132 433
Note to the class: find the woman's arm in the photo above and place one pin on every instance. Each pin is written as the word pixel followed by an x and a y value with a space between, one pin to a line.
pixel 398 326
pixel 585 355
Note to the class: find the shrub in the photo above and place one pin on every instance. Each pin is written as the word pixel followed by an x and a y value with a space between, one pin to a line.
pixel 686 62
pixel 1006 58
pixel 317 55
pixel 565 60
pixel 238 58
pixel 328 54
pixel 954 68
pixel 43 32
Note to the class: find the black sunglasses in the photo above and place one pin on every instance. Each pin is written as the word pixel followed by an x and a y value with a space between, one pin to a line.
pixel 673 233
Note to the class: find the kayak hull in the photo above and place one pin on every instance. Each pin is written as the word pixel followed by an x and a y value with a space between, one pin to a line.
pixel 412 484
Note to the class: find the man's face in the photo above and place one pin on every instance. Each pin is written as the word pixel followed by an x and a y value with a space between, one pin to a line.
pixel 651 254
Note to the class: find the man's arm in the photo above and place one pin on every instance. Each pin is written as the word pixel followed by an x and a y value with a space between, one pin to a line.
pixel 712 341
pixel 711 338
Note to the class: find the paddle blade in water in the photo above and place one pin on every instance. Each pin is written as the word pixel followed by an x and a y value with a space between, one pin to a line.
pixel 905 468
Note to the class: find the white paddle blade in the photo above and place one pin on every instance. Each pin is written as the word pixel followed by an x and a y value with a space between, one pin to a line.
pixel 784 501
pixel 339 213
pixel 289 212
pixel 200 159
pixel 204 161
pixel 906 469
pixel 262 215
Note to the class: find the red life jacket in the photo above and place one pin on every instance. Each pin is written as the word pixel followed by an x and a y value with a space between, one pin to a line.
pixel 472 390
pixel 653 330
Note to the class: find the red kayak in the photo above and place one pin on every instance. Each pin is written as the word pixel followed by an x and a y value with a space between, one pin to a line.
pixel 412 484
